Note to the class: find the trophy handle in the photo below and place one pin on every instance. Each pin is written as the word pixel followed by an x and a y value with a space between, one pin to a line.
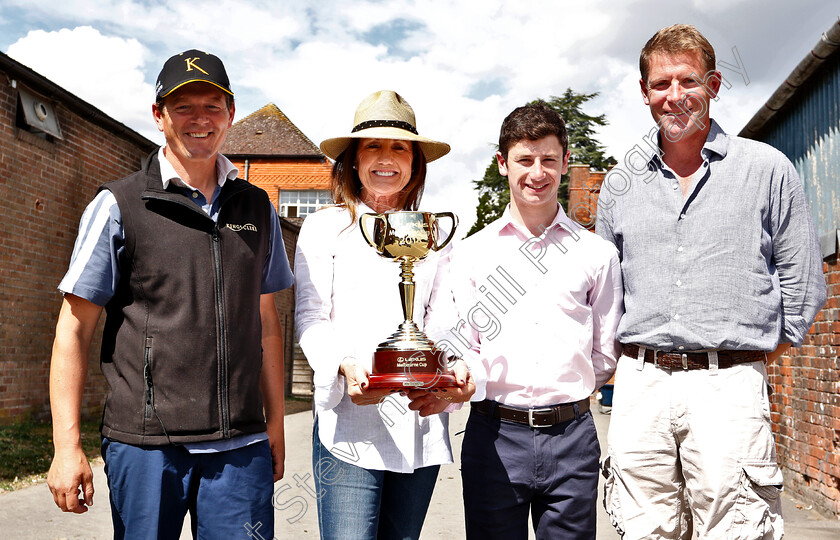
pixel 363 220
pixel 454 218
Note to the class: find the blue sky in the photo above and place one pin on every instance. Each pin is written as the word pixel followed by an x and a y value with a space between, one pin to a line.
pixel 463 65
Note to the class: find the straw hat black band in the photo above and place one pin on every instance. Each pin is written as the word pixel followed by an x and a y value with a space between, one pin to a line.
pixel 385 123
pixel 385 115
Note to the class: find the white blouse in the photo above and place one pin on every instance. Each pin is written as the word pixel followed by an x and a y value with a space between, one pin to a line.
pixel 347 302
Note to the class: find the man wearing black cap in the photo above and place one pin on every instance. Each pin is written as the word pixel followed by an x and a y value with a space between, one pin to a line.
pixel 185 258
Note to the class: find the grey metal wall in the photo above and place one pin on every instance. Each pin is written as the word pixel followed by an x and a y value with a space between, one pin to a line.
pixel 807 131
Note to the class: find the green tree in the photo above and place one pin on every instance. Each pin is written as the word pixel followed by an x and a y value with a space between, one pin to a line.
pixel 493 192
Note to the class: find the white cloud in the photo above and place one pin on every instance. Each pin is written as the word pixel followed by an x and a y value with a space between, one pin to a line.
pixel 240 28
pixel 621 102
pixel 456 46
pixel 462 65
pixel 738 104
pixel 717 6
pixel 107 72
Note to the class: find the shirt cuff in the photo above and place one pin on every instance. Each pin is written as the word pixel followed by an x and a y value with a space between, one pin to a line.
pixel 452 407
pixel 328 392
pixel 794 330
pixel 317 344
pixel 91 295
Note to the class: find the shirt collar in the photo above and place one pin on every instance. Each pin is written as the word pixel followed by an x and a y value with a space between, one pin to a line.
pixel 224 168
pixel 717 141
pixel 507 225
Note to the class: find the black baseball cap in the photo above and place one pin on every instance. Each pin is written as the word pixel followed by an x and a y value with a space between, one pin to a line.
pixel 191 66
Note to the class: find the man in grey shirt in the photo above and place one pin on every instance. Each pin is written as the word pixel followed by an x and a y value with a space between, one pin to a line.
pixel 722 273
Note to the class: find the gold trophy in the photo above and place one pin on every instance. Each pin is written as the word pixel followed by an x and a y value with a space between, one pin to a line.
pixel 408 359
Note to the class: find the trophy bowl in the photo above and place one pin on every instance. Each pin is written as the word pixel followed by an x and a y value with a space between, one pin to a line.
pixel 408 358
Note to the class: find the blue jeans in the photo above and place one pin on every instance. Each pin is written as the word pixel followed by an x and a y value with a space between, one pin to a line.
pixel 228 494
pixel 366 504
pixel 510 469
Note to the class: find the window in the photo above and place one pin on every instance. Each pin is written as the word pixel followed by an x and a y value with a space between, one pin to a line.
pixel 301 203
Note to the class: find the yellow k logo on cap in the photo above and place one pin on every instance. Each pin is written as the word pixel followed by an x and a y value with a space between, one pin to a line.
pixel 191 63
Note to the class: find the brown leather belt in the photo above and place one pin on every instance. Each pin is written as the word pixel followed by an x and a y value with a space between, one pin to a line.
pixel 538 417
pixel 695 360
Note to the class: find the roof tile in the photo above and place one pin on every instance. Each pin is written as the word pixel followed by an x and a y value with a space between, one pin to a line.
pixel 268 132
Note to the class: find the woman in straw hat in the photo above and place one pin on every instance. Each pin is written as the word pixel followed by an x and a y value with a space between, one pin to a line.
pixel 375 466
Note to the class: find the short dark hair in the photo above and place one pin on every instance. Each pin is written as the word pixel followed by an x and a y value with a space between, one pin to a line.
pixel 532 122
pixel 675 39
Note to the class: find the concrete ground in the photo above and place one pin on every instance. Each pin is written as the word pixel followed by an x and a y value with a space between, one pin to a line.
pixel 31 514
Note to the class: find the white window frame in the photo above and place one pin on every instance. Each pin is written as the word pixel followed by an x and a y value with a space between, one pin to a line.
pixel 299 201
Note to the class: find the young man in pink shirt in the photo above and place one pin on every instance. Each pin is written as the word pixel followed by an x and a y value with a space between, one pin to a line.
pixel 540 299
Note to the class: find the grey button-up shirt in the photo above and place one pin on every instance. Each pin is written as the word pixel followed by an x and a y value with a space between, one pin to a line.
pixel 734 265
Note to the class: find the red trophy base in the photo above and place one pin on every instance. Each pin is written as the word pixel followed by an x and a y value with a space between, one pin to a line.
pixel 409 370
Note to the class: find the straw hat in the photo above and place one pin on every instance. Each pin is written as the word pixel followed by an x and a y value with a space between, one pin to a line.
pixel 385 115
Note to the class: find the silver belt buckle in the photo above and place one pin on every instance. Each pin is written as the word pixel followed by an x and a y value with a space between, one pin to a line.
pixel 531 418
pixel 685 361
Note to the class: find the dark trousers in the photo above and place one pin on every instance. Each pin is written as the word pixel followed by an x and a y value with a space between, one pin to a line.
pixel 508 469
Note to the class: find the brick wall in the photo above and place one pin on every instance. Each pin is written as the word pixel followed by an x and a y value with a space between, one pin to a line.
pixel 273 174
pixel 805 406
pixel 584 188
pixel 44 187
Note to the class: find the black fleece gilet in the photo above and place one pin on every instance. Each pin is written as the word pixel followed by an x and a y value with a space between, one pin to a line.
pixel 181 349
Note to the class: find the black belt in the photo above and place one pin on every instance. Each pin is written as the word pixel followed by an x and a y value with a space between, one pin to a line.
pixel 538 417
pixel 696 360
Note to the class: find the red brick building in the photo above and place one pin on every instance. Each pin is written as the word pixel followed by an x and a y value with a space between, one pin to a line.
pixel 584 188
pixel 55 151
pixel 272 153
